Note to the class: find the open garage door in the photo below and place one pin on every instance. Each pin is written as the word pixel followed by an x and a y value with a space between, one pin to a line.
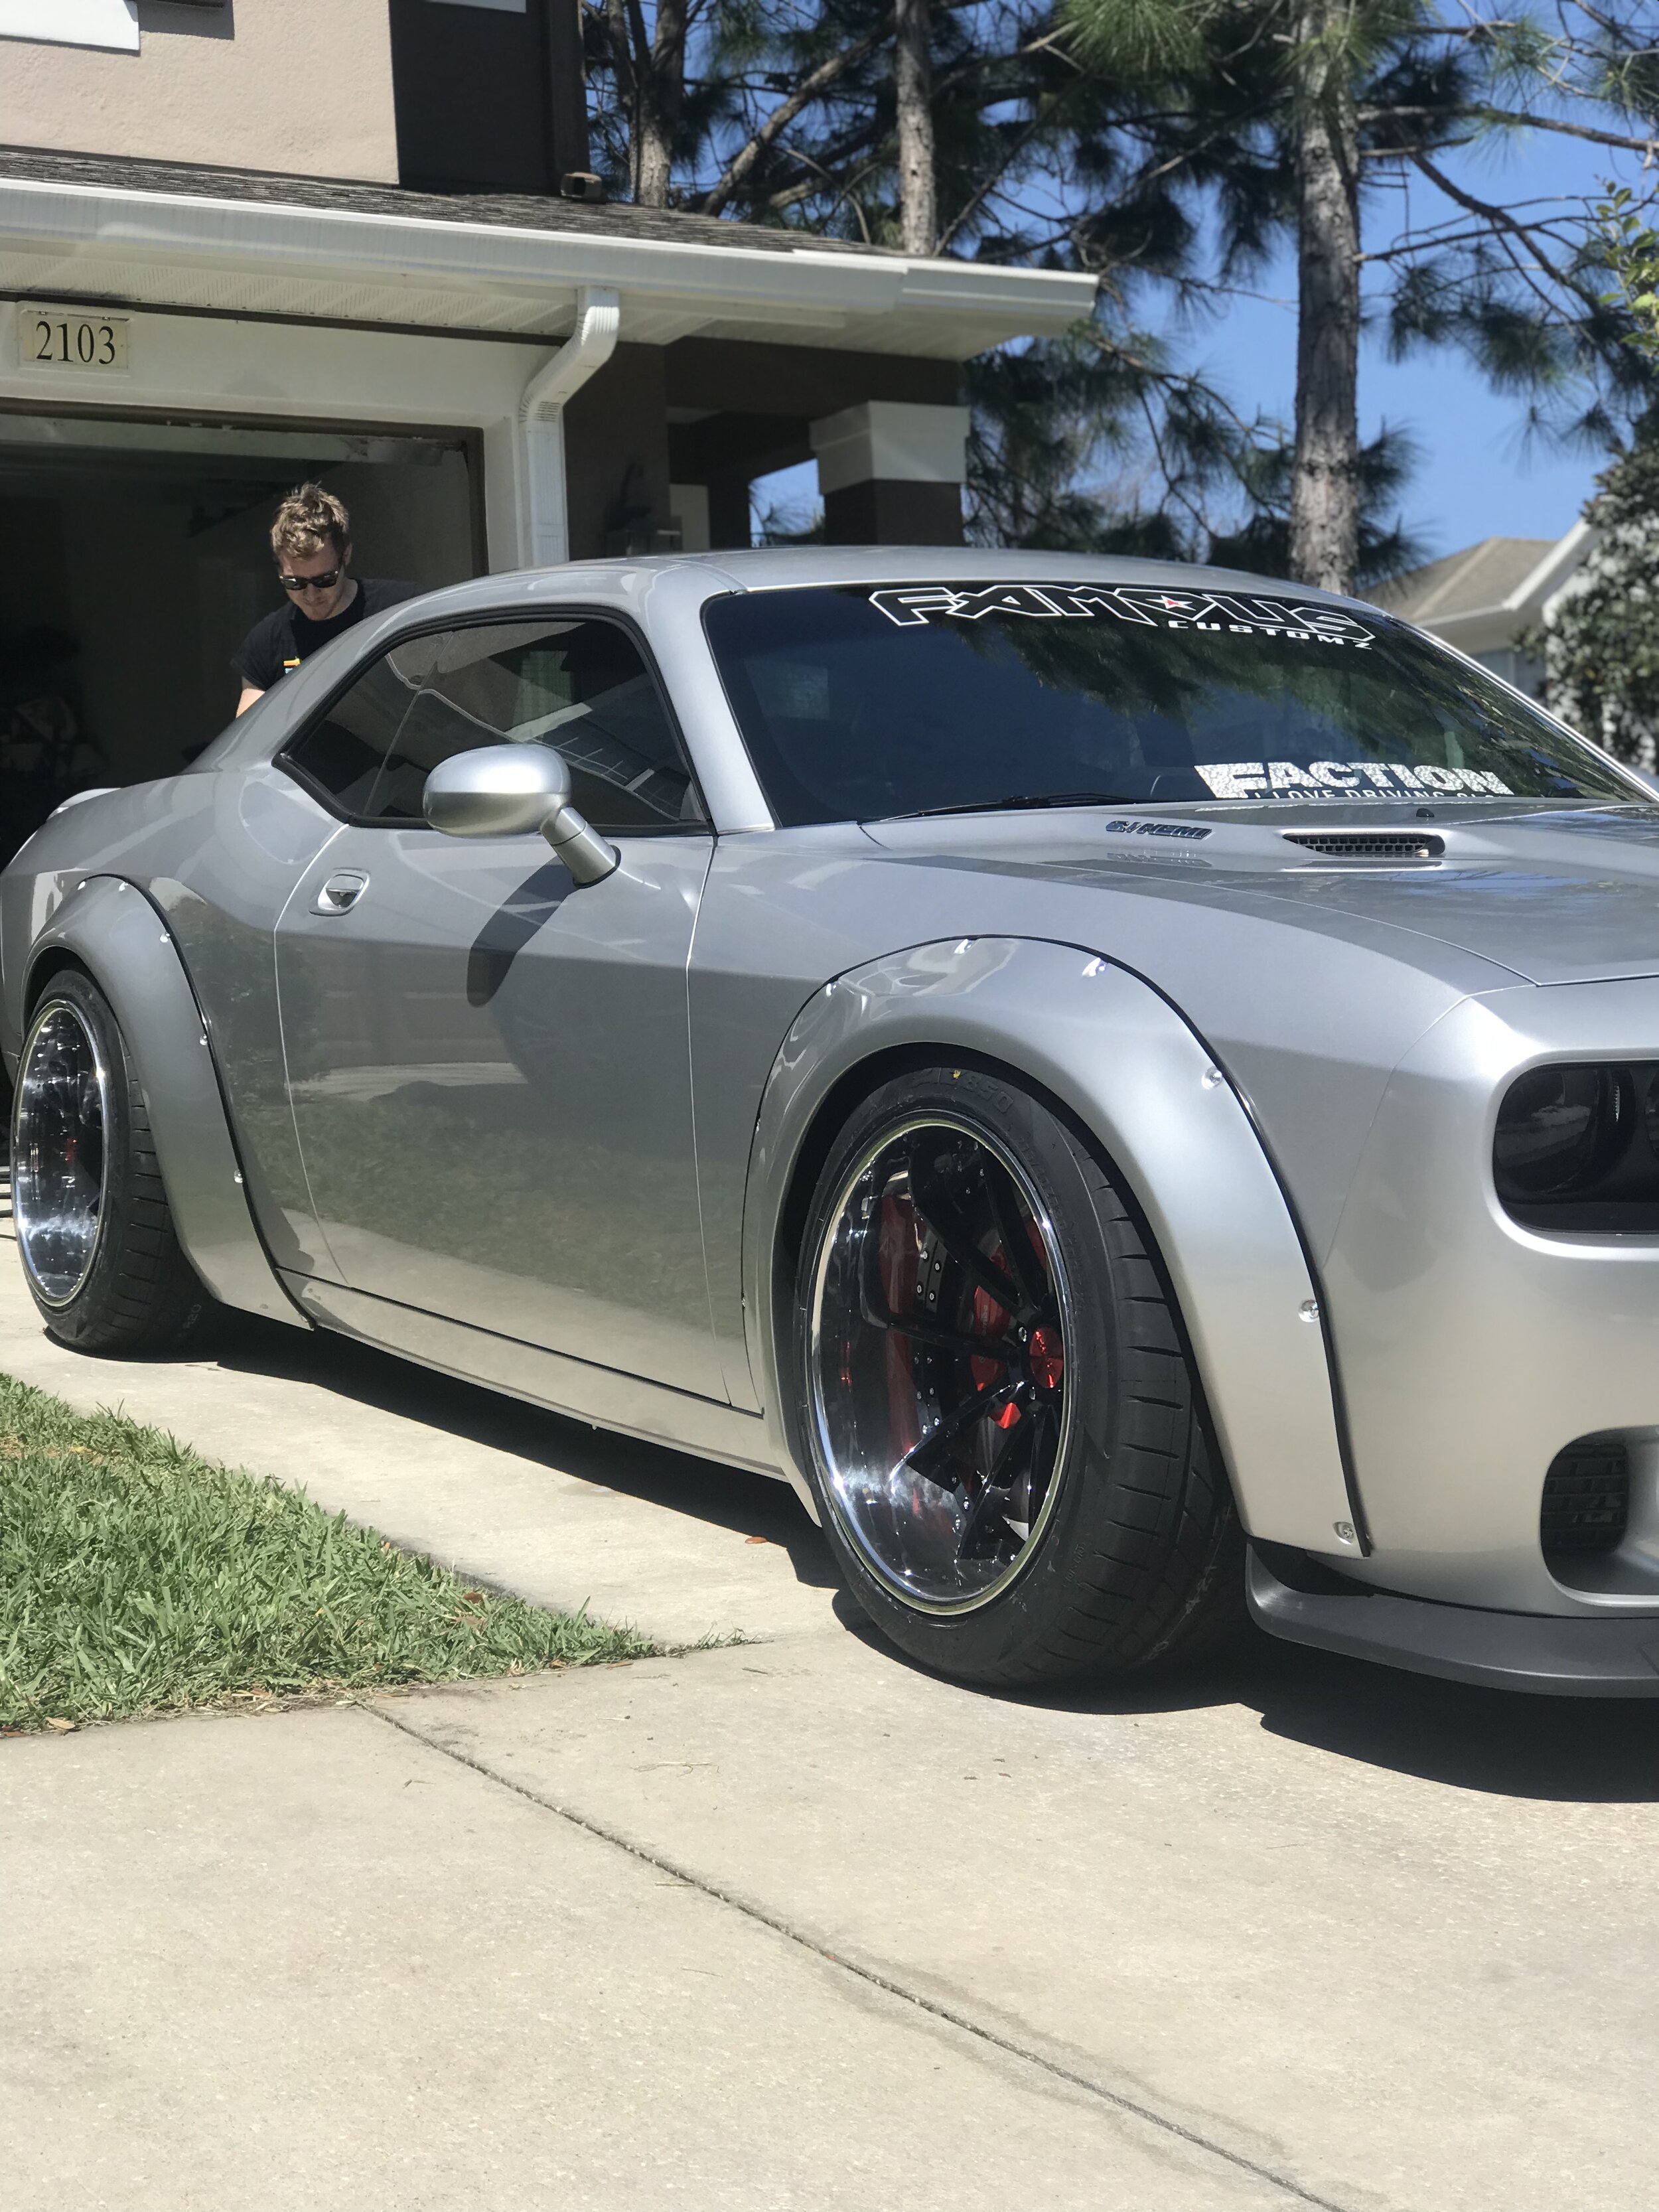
pixel 134 559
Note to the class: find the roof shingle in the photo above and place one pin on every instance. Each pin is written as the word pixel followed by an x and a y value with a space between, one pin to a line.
pixel 509 210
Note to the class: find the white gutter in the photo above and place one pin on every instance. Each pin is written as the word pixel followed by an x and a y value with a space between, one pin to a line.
pixel 1557 569
pixel 420 263
pixel 544 510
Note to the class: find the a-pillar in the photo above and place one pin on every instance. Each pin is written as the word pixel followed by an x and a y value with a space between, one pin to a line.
pixel 890 473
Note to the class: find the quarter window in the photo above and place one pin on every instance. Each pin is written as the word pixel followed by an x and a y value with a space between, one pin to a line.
pixel 581 685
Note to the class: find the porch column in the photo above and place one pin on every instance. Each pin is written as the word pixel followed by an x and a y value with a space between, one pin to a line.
pixel 890 472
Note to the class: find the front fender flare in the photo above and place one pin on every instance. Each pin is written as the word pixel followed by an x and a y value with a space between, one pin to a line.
pixel 1126 1065
pixel 114 933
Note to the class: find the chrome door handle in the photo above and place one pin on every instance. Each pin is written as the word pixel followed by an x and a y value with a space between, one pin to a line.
pixel 340 892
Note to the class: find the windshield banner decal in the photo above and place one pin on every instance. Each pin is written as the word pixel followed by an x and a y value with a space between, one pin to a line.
pixel 1150 606
pixel 1344 780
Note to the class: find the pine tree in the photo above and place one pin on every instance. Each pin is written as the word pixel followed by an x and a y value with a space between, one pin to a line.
pixel 1600 649
pixel 1301 108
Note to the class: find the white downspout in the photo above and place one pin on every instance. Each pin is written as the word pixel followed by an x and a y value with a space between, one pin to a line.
pixel 543 519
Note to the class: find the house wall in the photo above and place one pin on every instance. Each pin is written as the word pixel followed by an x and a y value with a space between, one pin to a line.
pixel 616 456
pixel 474 93
pixel 301 87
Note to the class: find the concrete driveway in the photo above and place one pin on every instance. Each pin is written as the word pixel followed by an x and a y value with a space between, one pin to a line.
pixel 789 1924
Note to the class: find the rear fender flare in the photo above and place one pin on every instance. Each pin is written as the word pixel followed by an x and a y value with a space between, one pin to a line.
pixel 109 928
pixel 1120 1059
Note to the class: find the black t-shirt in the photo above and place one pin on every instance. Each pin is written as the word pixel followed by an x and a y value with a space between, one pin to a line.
pixel 287 637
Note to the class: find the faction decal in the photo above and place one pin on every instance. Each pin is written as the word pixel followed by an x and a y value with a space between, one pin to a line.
pixel 916 605
pixel 1344 780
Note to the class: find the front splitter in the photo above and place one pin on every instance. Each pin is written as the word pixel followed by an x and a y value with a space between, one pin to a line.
pixel 1553 1656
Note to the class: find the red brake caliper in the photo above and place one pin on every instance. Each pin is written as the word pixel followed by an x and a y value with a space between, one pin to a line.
pixel 1047 1359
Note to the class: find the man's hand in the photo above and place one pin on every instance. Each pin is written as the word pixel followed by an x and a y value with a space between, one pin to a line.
pixel 249 694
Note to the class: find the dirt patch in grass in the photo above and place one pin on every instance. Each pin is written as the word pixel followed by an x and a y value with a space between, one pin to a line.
pixel 136 1577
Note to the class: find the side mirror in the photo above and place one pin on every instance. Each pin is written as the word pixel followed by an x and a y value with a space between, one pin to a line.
pixel 508 791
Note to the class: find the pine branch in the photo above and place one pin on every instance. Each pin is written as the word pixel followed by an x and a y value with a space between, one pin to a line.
pixel 811 87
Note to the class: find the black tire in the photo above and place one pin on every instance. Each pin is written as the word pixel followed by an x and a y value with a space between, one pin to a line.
pixel 1129 1552
pixel 136 1294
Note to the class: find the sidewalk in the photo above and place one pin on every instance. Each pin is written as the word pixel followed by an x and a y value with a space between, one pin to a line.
pixel 558 1513
pixel 789 1924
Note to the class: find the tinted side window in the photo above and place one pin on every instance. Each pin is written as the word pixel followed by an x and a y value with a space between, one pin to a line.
pixel 580 684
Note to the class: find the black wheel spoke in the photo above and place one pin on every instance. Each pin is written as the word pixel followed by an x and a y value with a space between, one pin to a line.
pixel 945 1219
pixel 996 1494
pixel 1036 1297
pixel 920 1457
pixel 936 1336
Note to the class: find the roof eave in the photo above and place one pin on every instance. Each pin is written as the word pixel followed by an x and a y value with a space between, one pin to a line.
pixel 198 250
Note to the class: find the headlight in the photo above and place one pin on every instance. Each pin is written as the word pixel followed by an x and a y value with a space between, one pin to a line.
pixel 1559 1128
pixel 1577 1147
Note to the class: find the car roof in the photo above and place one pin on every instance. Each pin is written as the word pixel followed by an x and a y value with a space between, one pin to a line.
pixel 763 567
pixel 667 590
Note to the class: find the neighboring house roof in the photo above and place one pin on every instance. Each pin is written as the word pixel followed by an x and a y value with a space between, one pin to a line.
pixel 98 229
pixel 1480 577
pixel 1483 597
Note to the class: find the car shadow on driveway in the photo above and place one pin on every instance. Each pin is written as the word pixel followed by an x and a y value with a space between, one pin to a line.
pixel 1600 1751
pixel 752 1505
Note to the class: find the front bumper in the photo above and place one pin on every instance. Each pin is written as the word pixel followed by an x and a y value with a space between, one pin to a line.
pixel 1472 1349
pixel 1615 1655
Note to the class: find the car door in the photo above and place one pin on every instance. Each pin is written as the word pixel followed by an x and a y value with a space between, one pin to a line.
pixel 489 1066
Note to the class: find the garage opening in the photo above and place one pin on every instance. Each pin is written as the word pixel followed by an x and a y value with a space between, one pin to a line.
pixel 134 558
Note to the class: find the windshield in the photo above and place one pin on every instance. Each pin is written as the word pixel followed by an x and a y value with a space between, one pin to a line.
pixel 857 702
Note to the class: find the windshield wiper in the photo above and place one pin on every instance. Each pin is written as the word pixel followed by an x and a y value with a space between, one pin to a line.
pixel 1016 802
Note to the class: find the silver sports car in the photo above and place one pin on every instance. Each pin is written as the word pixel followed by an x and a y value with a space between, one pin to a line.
pixel 1130 1086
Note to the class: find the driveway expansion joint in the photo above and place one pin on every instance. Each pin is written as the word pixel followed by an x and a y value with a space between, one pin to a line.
pixel 1148 2114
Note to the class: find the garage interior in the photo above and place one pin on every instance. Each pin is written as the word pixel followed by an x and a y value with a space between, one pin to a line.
pixel 134 559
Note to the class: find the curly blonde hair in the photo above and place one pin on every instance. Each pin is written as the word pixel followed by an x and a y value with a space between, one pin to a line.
pixel 308 519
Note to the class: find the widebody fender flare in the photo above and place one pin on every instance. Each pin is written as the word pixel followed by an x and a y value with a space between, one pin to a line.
pixel 110 927
pixel 1114 1052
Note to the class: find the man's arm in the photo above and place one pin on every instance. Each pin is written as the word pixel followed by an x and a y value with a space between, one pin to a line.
pixel 250 693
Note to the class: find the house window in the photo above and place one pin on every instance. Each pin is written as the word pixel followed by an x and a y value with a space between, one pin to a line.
pixel 73 23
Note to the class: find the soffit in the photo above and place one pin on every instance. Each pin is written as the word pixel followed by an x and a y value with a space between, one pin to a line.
pixel 351 263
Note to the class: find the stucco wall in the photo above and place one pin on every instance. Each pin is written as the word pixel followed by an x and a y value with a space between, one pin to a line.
pixel 302 87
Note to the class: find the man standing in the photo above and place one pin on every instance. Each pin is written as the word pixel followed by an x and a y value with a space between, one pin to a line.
pixel 310 539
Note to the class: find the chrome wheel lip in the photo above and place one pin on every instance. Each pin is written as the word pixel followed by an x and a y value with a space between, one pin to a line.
pixel 29 1232
pixel 913 1599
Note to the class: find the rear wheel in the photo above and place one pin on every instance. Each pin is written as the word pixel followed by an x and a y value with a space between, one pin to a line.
pixel 1002 1424
pixel 100 1255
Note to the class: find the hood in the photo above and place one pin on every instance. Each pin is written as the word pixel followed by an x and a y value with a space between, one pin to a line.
pixel 1567 894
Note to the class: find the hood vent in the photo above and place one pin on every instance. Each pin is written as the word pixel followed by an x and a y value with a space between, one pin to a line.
pixel 1368 844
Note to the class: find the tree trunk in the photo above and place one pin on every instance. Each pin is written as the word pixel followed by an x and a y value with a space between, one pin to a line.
pixel 1325 486
pixel 913 87
pixel 662 89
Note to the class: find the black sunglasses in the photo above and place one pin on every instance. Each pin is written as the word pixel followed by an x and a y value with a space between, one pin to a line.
pixel 325 582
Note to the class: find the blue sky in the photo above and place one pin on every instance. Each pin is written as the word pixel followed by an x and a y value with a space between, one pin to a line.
pixel 1478 478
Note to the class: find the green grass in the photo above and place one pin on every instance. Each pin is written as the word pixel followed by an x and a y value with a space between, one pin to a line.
pixel 136 1577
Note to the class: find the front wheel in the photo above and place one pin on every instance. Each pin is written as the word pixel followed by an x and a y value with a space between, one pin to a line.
pixel 100 1255
pixel 1001 1422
